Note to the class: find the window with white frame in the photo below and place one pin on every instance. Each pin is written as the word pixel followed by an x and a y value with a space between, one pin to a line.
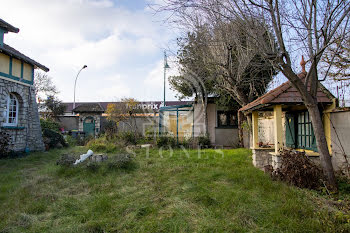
pixel 11 111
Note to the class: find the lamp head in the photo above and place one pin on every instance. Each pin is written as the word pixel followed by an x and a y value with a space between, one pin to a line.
pixel 166 66
pixel 85 66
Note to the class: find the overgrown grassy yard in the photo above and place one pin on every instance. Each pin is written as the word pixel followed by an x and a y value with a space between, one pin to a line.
pixel 178 193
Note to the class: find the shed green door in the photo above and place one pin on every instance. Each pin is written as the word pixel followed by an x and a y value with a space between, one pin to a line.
pixel 290 131
pixel 89 126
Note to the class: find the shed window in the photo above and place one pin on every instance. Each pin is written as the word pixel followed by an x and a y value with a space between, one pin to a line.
pixel 11 111
pixel 305 135
pixel 227 119
pixel 299 131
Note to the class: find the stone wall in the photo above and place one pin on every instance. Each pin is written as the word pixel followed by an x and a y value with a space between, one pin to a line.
pixel 27 134
pixel 69 122
pixel 143 125
pixel 262 157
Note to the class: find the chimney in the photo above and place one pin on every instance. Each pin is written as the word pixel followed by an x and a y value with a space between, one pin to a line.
pixel 303 63
pixel 2 33
pixel 5 28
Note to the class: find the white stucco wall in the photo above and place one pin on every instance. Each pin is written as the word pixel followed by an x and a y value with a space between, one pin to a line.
pixel 266 133
pixel 340 138
pixel 218 136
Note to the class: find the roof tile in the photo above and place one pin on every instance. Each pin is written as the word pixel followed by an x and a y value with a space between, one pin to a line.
pixel 285 93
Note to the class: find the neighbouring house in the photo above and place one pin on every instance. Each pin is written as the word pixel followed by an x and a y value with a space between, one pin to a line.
pixel 279 119
pixel 90 117
pixel 184 121
pixel 19 111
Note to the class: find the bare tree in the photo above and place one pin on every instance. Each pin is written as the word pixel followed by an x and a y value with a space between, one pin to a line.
pixel 44 86
pixel 300 27
pixel 337 58
pixel 124 112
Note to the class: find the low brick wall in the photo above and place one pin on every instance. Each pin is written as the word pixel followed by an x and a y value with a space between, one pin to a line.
pixel 262 157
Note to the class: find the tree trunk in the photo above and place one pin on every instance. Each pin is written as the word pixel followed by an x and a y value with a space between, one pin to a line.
pixel 325 157
pixel 240 128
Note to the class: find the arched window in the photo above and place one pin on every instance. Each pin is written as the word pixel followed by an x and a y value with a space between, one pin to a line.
pixel 11 111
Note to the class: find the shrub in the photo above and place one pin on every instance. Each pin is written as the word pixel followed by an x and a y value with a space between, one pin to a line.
pixel 204 141
pixel 53 138
pixel 110 129
pixel 150 134
pixel 129 137
pixel 70 140
pixel 102 145
pixel 297 169
pixel 164 140
pixel 343 184
pixel 120 161
pixel 66 160
pixel 49 124
pixel 83 140
pixel 5 145
pixel 187 142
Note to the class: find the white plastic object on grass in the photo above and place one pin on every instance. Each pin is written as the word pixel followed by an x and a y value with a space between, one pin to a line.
pixel 83 157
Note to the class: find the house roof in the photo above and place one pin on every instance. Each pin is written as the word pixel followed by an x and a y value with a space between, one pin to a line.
pixel 90 107
pixel 156 104
pixel 8 27
pixel 287 94
pixel 15 53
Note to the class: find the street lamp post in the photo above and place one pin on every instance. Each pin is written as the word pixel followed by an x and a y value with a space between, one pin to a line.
pixel 75 83
pixel 166 66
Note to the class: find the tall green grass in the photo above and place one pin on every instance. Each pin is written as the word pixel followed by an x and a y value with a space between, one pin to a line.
pixel 171 191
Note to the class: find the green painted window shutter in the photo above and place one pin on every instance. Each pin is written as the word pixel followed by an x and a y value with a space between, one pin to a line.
pixel 290 130
pixel 313 141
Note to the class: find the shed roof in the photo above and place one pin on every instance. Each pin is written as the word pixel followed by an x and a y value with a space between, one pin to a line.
pixel 287 94
pixel 90 107
pixel 8 27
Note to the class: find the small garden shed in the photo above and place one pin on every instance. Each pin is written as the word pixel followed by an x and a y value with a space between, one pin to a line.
pixel 186 121
pixel 291 125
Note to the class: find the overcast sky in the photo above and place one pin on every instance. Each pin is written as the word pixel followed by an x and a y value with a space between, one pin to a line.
pixel 121 42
